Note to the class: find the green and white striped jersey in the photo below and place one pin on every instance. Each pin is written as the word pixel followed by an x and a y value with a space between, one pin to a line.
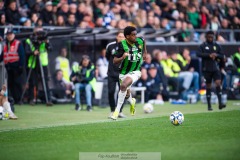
pixel 135 58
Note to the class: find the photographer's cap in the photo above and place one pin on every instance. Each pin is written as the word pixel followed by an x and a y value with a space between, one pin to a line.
pixel 85 57
pixel 9 31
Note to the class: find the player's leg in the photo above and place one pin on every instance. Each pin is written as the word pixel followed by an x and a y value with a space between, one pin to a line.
pixel 218 83
pixel 208 78
pixel 126 82
pixel 132 101
pixel 111 92
pixel 7 107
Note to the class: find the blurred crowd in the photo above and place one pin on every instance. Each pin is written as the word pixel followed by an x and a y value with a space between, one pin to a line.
pixel 184 15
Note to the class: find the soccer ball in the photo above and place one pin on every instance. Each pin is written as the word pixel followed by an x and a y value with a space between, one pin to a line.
pixel 148 108
pixel 176 118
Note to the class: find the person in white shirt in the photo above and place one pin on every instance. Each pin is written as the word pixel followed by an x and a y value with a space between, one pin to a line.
pixel 102 65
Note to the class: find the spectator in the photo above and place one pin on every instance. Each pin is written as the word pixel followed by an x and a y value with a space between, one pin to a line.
pixel 172 79
pixel 236 60
pixel 185 36
pixel 102 65
pixel 64 10
pixel 83 77
pixel 121 24
pixel 34 17
pixel 108 16
pixel 71 22
pixel 3 20
pixel 204 17
pixel 73 8
pixel 12 13
pixel 47 15
pixel 62 89
pixel 141 18
pixel 193 16
pixel 2 6
pixel 214 24
pixel 80 11
pixel 150 22
pixel 153 82
pixel 184 60
pixel 88 19
pixel 181 74
pixel 60 21
pixel 62 63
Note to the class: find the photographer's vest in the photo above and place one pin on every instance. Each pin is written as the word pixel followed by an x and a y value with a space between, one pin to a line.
pixel 10 52
pixel 174 66
pixel 237 56
pixel 180 58
pixel 167 71
pixel 43 54
pixel 64 66
pixel 93 83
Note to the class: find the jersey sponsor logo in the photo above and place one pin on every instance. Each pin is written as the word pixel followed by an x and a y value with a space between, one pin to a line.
pixel 207 47
pixel 134 57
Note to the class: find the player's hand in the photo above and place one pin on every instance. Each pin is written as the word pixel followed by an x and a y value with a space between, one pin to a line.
pixel 125 55
pixel 36 52
pixel 213 56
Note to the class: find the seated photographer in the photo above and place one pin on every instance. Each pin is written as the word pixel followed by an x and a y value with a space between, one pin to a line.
pixel 36 48
pixel 83 77
pixel 5 104
pixel 62 89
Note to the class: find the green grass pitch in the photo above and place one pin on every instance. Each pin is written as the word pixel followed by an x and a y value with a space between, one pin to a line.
pixel 60 133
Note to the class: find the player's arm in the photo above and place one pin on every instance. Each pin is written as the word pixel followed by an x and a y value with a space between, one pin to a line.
pixel 120 54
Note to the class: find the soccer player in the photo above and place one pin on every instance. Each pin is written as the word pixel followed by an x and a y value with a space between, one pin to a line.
pixel 113 73
pixel 211 54
pixel 130 55
pixel 5 104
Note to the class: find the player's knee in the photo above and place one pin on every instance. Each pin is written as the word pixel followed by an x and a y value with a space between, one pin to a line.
pixel 123 87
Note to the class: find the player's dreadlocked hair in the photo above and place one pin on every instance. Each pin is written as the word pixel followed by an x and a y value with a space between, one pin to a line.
pixel 128 30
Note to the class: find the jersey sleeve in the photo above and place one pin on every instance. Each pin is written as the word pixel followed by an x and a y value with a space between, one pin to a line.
pixel 120 50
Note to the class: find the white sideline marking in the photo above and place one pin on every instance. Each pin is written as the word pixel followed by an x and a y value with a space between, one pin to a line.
pixel 99 121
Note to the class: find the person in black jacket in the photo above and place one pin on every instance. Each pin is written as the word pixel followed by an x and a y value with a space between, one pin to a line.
pixel 12 14
pixel 113 73
pixel 211 54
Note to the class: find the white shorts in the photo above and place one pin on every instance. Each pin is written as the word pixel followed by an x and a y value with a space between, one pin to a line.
pixel 135 75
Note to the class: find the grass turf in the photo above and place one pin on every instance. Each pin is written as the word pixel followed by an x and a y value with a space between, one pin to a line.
pixel 61 133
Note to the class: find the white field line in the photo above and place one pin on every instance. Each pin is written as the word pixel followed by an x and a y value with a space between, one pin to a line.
pixel 99 121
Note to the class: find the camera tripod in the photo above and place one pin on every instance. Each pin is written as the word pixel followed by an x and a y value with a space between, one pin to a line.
pixel 36 57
